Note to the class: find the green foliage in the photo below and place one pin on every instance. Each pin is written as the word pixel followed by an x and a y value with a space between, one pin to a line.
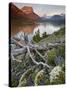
pixel 44 35
pixel 38 58
pixel 42 78
pixel 56 36
pixel 63 67
pixel 51 57
pixel 23 83
pixel 19 67
pixel 24 78
pixel 61 51
pixel 60 32
pixel 37 77
pixel 14 82
pixel 37 37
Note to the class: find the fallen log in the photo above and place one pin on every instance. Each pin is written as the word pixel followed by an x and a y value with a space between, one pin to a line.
pixel 37 63
pixel 18 51
pixel 34 48
pixel 17 43
pixel 40 54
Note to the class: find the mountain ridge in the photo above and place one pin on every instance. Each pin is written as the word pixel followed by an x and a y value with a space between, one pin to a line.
pixel 16 12
pixel 54 17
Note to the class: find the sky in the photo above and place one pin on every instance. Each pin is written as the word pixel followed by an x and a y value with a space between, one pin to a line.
pixel 43 9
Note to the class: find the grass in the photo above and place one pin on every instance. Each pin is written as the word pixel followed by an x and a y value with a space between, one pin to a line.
pixel 60 51
pixel 51 57
pixel 56 36
pixel 27 63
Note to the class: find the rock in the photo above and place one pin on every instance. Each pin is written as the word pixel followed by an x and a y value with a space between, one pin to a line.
pixel 27 9
pixel 57 76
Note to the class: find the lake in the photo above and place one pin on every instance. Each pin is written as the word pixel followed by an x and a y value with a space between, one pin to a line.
pixel 48 27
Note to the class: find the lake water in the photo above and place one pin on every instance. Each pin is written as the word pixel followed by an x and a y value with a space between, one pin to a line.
pixel 47 27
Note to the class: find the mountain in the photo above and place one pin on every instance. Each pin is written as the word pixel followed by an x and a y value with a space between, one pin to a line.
pixel 25 13
pixel 30 13
pixel 16 12
pixel 27 9
pixel 58 17
pixel 54 18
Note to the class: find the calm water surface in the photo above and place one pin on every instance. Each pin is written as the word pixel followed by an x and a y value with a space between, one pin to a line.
pixel 47 27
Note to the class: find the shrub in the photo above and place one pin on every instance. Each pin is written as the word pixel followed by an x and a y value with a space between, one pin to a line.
pixel 57 76
pixel 37 37
pixel 51 57
pixel 41 78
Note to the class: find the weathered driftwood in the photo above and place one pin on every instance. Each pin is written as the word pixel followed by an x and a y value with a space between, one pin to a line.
pixel 40 54
pixel 44 64
pixel 34 47
pixel 16 42
pixel 28 47
pixel 18 51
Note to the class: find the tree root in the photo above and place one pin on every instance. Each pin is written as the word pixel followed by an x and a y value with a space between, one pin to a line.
pixel 28 47
pixel 40 54
pixel 37 63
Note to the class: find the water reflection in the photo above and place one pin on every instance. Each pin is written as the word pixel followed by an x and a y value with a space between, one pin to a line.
pixel 23 28
pixel 49 28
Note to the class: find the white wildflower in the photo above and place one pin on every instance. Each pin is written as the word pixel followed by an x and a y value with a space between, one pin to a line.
pixel 55 73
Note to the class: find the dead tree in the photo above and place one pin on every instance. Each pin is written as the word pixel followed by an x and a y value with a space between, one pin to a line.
pixel 28 47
